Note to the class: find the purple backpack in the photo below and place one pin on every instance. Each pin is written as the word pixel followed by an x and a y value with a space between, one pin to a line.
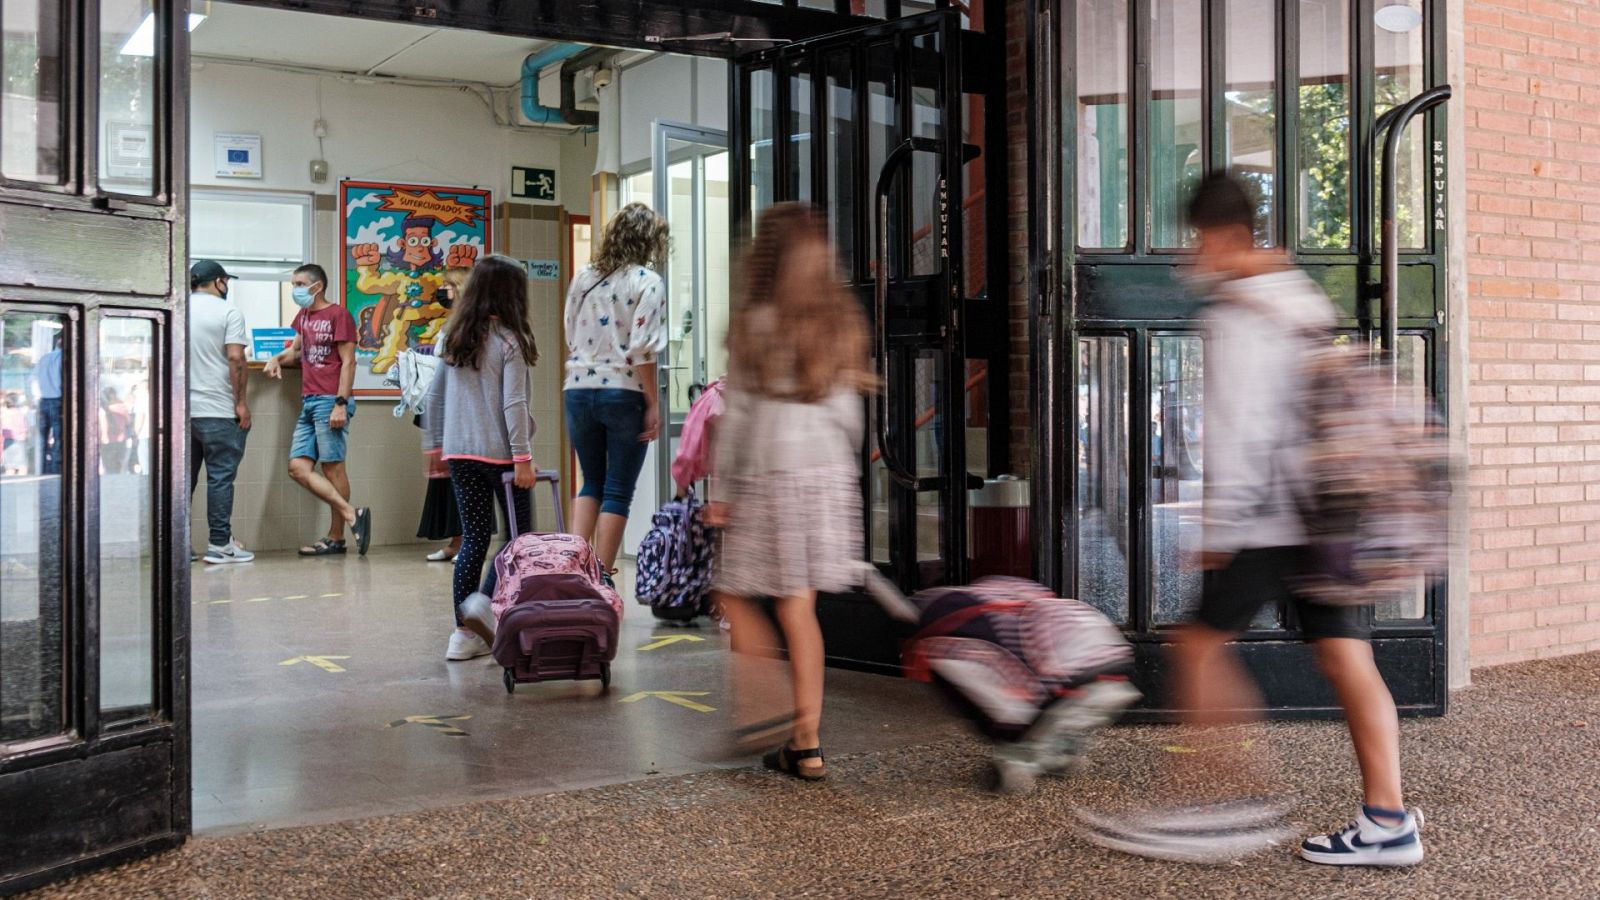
pixel 675 561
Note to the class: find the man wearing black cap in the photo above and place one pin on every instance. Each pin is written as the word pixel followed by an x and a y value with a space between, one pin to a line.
pixel 219 415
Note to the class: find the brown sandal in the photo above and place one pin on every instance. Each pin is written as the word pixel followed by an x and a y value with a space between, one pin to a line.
pixel 786 759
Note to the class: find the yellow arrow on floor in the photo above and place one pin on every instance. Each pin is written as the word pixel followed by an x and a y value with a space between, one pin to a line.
pixel 442 723
pixel 324 663
pixel 669 639
pixel 678 697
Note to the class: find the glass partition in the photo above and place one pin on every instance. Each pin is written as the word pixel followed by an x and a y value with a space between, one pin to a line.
pixel 127 87
pixel 1102 453
pixel 125 412
pixel 1398 57
pixel 1100 123
pixel 1326 135
pixel 33 583
pixel 1177 124
pixel 32 107
pixel 1250 93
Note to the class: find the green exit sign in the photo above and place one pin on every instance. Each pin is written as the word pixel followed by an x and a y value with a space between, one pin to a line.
pixel 534 184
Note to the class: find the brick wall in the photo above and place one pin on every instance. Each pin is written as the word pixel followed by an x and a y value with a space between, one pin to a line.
pixel 1532 105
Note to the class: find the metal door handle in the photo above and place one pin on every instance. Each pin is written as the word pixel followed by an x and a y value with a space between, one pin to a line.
pixel 896 158
pixel 1395 121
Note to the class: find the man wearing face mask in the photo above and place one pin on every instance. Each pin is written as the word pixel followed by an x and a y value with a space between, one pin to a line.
pixel 324 346
pixel 219 415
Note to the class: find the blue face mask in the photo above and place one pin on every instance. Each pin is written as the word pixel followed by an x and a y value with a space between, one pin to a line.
pixel 302 296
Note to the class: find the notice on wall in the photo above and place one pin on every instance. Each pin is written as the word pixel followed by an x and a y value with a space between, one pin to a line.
pixel 266 343
pixel 533 184
pixel 237 155
pixel 543 269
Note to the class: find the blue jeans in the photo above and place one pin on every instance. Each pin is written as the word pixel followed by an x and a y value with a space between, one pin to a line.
pixel 314 438
pixel 219 445
pixel 50 437
pixel 604 425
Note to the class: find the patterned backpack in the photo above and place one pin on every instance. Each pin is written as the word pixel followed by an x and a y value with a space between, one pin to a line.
pixel 1375 493
pixel 675 559
pixel 533 556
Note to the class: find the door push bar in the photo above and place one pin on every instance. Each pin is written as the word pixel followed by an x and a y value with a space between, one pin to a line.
pixel 1395 120
pixel 896 158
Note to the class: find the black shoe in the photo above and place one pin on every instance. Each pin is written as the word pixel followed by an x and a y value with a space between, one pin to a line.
pixel 363 529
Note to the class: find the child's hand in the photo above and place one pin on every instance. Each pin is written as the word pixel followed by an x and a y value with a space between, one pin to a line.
pixel 716 514
pixel 522 475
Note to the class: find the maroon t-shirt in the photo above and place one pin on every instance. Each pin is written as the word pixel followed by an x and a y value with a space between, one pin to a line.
pixel 321 333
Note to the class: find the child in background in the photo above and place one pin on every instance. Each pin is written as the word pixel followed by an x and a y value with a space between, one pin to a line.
pixel 478 423
pixel 440 520
pixel 786 480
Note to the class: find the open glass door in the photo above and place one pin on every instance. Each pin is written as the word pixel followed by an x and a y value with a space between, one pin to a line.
pixel 885 130
pixel 94 611
pixel 691 190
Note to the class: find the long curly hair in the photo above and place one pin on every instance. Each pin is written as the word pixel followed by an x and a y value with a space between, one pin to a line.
pixel 796 333
pixel 496 292
pixel 635 236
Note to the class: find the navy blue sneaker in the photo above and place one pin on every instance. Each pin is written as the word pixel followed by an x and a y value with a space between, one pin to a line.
pixel 1367 843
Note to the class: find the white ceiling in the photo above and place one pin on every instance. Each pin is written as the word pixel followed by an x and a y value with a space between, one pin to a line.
pixel 345 44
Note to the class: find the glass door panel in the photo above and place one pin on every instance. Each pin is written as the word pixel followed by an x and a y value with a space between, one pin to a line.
pixel 1102 479
pixel 127 514
pixel 1177 125
pixel 33 581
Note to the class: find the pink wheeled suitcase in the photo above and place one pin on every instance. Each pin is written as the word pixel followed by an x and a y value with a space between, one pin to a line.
pixel 556 617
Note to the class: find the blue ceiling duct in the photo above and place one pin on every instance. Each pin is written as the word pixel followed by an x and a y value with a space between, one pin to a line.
pixel 531 110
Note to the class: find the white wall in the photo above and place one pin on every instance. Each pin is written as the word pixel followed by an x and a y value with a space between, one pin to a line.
pixel 680 89
pixel 377 131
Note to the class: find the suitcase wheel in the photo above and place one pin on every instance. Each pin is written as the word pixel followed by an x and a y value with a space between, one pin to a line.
pixel 511 682
pixel 605 676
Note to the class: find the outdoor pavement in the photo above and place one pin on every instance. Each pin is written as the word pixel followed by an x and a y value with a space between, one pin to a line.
pixel 1510 780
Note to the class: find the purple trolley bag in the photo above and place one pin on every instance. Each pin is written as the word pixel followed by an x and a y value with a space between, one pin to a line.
pixel 557 620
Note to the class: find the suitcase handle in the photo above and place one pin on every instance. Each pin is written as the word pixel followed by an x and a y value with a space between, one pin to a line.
pixel 539 475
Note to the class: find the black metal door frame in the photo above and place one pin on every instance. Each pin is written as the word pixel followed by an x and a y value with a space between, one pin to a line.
pixel 112 785
pixel 1083 293
pixel 916 314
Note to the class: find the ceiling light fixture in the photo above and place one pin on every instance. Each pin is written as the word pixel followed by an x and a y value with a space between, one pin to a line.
pixel 1397 16
pixel 143 40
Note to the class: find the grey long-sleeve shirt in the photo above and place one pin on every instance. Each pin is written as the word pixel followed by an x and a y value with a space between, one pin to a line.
pixel 482 413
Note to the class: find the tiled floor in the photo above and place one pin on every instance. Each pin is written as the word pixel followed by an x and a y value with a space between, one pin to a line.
pixel 279 742
pixel 1510 780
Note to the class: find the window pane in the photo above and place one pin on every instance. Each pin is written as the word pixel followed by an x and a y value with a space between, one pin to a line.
pixel 127 520
pixel 1176 467
pixel 718 267
pixel 1411 359
pixel 883 133
pixel 1177 144
pixel 32 531
pixel 761 134
pixel 842 208
pixel 224 226
pixel 1101 123
pixel 928 240
pixel 1397 49
pixel 1324 140
pixel 1252 97
pixel 800 128
pixel 127 96
pixel 30 108
pixel 1103 535
pixel 682 252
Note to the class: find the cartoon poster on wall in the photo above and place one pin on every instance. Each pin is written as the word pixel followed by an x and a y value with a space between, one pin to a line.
pixel 398 241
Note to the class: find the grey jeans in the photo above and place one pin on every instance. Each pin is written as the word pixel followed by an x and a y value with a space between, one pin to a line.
pixel 219 445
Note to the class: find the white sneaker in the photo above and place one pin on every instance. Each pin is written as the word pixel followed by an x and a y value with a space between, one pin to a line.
pixel 465 645
pixel 1366 843
pixel 442 554
pixel 234 552
pixel 477 616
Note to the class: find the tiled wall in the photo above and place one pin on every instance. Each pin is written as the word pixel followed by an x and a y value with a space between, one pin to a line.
pixel 385 464
pixel 1532 106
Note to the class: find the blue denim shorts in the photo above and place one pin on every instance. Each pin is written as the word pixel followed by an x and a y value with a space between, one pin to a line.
pixel 313 438
pixel 604 425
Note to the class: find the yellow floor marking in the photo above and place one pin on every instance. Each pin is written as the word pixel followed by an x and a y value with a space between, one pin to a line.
pixel 678 697
pixel 442 723
pixel 215 602
pixel 295 597
pixel 258 599
pixel 325 595
pixel 663 641
pixel 324 663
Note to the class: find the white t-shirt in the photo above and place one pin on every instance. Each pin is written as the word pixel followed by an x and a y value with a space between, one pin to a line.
pixel 213 323
pixel 614 326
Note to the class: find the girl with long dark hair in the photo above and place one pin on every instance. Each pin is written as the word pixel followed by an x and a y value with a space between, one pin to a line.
pixel 478 423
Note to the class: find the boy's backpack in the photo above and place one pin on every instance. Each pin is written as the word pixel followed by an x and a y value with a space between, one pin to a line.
pixel 1375 492
pixel 675 560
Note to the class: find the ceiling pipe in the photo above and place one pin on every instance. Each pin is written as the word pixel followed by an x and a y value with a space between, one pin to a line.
pixel 569 92
pixel 531 109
